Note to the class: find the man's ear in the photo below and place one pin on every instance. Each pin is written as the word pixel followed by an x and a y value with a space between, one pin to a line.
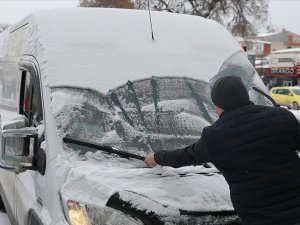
pixel 219 110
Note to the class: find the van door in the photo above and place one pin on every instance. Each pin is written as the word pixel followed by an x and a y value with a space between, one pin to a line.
pixel 9 98
pixel 31 106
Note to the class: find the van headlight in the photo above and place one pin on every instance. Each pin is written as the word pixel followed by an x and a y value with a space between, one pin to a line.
pixel 76 213
pixel 84 214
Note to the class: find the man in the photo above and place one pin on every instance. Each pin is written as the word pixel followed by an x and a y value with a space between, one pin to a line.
pixel 254 147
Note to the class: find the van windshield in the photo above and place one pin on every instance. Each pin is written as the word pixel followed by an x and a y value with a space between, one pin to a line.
pixel 147 115
pixel 151 114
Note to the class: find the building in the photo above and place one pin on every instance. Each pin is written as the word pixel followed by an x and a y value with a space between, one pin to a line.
pixel 254 46
pixel 257 52
pixel 262 68
pixel 281 40
pixel 284 68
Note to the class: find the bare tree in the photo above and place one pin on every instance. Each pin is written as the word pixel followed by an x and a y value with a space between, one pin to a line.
pixel 241 17
pixel 3 27
pixel 127 4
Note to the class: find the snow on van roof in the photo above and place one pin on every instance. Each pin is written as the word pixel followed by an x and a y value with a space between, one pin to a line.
pixel 104 48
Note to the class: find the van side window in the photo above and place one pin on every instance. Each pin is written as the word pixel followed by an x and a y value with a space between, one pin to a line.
pixel 9 90
pixel 30 102
pixel 25 97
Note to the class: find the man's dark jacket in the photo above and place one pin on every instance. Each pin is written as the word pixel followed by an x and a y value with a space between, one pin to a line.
pixel 254 148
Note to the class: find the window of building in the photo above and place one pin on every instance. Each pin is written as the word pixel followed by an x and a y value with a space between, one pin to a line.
pixel 285 60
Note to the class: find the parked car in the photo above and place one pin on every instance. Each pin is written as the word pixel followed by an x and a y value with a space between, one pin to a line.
pixel 286 96
pixel 74 81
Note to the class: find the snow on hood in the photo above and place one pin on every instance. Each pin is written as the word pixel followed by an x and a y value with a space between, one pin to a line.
pixel 162 190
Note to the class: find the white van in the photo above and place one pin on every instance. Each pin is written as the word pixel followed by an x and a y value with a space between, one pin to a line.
pixel 75 81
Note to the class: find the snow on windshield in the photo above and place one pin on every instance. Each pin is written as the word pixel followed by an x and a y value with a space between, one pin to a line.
pixel 151 114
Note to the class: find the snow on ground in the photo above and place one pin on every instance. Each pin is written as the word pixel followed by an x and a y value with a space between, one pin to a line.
pixel 4 219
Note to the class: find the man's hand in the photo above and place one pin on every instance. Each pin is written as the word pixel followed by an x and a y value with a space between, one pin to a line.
pixel 149 160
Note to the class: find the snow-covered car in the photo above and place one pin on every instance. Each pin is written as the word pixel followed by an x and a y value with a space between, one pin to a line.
pixel 75 82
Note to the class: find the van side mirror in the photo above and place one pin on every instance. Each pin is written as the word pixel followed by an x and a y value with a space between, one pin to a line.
pixel 18 144
pixel 290 94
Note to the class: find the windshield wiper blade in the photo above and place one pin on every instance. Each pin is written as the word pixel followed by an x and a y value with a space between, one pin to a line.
pixel 266 95
pixel 104 148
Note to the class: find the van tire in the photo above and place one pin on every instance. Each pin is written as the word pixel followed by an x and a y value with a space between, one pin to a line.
pixel 295 106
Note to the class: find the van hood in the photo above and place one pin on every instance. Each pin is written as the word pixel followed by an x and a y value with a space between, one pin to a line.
pixel 164 191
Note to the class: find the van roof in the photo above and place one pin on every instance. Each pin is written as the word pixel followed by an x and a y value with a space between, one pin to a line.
pixel 104 48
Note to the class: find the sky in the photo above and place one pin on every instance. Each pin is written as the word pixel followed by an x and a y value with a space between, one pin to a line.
pixel 12 11
pixel 283 13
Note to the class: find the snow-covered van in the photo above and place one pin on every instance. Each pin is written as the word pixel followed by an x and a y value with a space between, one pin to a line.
pixel 75 82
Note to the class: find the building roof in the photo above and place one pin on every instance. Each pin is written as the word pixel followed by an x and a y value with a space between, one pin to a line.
pixel 262 42
pixel 262 35
pixel 289 50
pixel 268 34
pixel 241 39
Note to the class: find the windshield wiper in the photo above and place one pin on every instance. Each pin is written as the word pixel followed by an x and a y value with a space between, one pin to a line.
pixel 104 148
